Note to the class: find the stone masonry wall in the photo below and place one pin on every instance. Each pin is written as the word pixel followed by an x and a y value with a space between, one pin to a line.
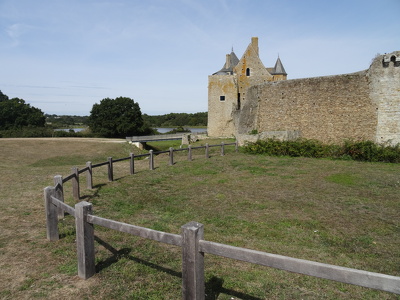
pixel 358 106
pixel 330 109
pixel 384 77
pixel 258 73
pixel 233 88
pixel 220 121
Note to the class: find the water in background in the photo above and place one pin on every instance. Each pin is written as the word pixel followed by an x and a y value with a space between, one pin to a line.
pixel 67 129
pixel 160 130
pixel 193 130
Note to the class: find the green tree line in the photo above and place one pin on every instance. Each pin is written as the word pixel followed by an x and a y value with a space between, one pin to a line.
pixel 118 117
pixel 61 121
pixel 168 120
pixel 176 119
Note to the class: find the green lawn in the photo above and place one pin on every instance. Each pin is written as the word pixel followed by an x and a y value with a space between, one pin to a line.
pixel 338 212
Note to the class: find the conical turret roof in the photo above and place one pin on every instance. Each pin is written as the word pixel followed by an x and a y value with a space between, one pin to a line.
pixel 279 69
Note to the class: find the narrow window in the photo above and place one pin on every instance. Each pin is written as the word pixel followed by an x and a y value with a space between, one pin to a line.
pixel 238 101
pixel 221 98
pixel 248 72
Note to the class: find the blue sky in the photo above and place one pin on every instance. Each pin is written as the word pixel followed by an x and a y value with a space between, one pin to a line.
pixel 63 56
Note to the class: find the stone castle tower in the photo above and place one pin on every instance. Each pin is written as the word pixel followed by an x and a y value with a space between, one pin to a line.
pixel 227 88
pixel 245 97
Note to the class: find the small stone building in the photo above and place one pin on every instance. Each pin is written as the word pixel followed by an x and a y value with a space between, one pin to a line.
pixel 245 97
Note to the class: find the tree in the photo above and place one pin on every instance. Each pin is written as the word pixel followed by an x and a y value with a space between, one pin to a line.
pixel 3 97
pixel 177 119
pixel 120 117
pixel 16 114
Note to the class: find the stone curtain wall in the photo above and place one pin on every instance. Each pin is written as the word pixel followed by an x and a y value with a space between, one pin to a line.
pixel 329 109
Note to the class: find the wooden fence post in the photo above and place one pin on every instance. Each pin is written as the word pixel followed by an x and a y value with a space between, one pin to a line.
pixel 132 163
pixel 222 149
pixel 75 184
pixel 190 153
pixel 192 262
pixel 84 240
pixel 207 150
pixel 171 156
pixel 89 176
pixel 110 169
pixel 151 160
pixel 236 146
pixel 59 193
pixel 51 214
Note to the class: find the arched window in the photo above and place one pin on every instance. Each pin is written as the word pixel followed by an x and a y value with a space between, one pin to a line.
pixel 248 72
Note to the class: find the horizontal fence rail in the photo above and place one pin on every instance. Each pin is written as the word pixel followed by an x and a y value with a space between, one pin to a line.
pixel 74 176
pixel 68 178
pixel 190 240
pixel 156 137
pixel 151 234
pixel 65 207
pixel 83 170
pixel 301 266
pixel 100 164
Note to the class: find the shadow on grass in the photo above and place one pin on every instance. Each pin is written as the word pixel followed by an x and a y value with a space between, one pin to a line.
pixel 213 287
pixel 97 188
pixel 124 253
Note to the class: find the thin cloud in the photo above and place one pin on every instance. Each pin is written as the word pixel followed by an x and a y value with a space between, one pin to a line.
pixel 16 31
pixel 160 53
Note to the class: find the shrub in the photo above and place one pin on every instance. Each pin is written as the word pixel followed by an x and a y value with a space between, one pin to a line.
pixel 72 133
pixel 27 132
pixel 31 132
pixel 361 151
pixel 179 129
pixel 369 151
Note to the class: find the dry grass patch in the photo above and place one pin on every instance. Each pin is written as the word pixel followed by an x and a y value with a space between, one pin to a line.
pixel 337 212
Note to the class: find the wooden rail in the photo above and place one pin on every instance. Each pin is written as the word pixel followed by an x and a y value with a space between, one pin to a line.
pixel 190 240
pixel 156 137
pixel 74 176
pixel 301 266
pixel 151 234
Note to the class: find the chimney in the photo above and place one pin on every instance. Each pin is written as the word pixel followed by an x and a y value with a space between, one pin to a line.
pixel 254 43
pixel 228 61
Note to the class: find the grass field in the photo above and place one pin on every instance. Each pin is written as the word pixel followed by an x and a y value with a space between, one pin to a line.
pixel 338 212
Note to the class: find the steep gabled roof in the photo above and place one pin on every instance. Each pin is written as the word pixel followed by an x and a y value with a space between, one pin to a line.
pixel 227 69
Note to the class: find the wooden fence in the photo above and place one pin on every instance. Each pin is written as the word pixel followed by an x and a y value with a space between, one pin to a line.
pixel 190 240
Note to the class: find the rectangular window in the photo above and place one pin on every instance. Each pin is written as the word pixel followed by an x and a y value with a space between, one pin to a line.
pixel 221 98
